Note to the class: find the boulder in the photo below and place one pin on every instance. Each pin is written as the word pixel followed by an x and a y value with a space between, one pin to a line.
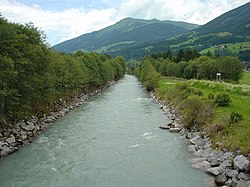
pixel 243 176
pixel 190 135
pixel 220 180
pixel 177 125
pixel 174 130
pixel 226 164
pixel 23 135
pixel 183 132
pixel 191 148
pixel 204 165
pixel 165 127
pixel 242 183
pixel 195 139
pixel 232 173
pixel 4 151
pixel 214 171
pixel 229 182
pixel 214 162
pixel 28 127
pixel 2 143
pixel 228 156
pixel 11 140
pixel 20 124
pixel 241 163
pixel 234 181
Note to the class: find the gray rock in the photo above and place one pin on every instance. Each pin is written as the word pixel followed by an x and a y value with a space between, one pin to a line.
pixel 232 173
pixel 190 135
pixel 229 182
pixel 206 152
pixel 234 181
pixel 226 164
pixel 28 127
pixel 241 163
pixel 49 119
pixel 214 171
pixel 220 180
pixel 165 127
pixel 4 151
pixel 174 130
pixel 177 125
pixel 195 139
pixel 2 143
pixel 191 148
pixel 199 153
pixel 228 156
pixel 204 165
pixel 183 132
pixel 20 124
pixel 11 140
pixel 214 162
pixel 242 183
pixel 243 176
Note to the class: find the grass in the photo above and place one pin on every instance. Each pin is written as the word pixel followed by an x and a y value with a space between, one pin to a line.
pixel 245 79
pixel 232 47
pixel 234 136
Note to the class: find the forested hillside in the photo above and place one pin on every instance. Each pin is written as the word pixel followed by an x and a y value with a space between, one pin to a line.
pixel 33 77
pixel 228 34
pixel 124 34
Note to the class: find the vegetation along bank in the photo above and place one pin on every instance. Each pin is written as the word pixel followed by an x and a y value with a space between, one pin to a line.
pixel 212 115
pixel 39 82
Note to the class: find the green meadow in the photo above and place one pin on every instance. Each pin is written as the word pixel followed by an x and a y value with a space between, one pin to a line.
pixel 222 129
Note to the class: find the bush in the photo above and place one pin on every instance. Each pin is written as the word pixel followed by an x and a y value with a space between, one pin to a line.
pixel 223 100
pixel 184 87
pixel 235 117
pixel 210 96
pixel 198 92
pixel 197 113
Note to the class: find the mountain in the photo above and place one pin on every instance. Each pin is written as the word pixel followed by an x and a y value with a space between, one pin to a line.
pixel 228 34
pixel 236 22
pixel 124 34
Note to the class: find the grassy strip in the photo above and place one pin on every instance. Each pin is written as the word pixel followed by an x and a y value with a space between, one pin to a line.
pixel 245 79
pixel 196 101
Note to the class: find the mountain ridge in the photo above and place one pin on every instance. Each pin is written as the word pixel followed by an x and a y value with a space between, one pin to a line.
pixel 126 31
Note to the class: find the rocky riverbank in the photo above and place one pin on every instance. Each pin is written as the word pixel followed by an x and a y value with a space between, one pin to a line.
pixel 24 132
pixel 228 168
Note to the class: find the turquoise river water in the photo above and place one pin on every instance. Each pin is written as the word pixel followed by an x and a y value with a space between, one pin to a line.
pixel 112 140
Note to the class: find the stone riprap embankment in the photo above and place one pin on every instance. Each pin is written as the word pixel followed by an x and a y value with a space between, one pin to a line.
pixel 228 168
pixel 13 136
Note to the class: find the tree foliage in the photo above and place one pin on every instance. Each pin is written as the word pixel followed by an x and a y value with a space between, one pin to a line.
pixel 204 67
pixel 33 77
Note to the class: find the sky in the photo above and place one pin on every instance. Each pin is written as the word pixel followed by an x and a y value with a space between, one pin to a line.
pixel 65 19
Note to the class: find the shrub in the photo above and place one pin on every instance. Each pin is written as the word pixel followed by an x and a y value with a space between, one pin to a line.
pixel 184 87
pixel 210 96
pixel 198 92
pixel 197 113
pixel 235 117
pixel 223 99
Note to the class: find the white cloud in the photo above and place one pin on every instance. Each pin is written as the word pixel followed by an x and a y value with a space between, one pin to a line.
pixel 194 11
pixel 58 26
pixel 70 23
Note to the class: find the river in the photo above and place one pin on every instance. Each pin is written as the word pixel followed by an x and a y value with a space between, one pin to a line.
pixel 112 140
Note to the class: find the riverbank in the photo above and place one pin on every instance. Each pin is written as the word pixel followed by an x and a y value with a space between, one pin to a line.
pixel 228 168
pixel 25 131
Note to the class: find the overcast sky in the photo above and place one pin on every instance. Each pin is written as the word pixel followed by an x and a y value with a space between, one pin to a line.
pixel 65 19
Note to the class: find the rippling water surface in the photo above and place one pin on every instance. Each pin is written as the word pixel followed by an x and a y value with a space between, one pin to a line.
pixel 113 140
